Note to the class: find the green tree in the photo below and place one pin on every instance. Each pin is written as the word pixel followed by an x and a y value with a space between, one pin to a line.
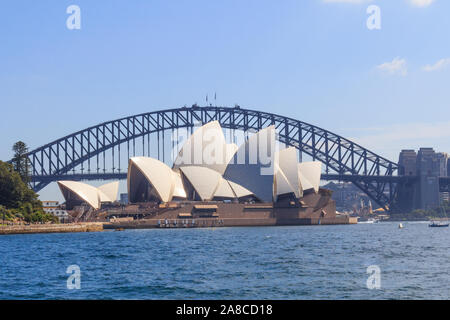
pixel 17 197
pixel 20 161
pixel 12 188
pixel 3 213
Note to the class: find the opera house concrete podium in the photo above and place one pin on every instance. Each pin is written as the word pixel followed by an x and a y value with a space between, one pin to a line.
pixel 215 183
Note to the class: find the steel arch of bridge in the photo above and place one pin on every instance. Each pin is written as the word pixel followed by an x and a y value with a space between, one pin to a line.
pixel 345 159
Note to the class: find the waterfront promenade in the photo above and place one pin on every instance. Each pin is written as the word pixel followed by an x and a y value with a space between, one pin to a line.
pixel 52 228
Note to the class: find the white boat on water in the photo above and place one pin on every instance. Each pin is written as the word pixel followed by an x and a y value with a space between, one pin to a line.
pixel 370 220
pixel 440 224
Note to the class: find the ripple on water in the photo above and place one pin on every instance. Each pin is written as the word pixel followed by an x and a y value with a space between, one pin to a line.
pixel 327 262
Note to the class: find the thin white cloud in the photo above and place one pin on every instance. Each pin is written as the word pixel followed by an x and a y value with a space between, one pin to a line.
pixel 395 67
pixel 421 3
pixel 441 64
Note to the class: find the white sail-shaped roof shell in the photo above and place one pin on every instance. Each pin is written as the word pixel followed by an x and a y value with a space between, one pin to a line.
pixel 178 191
pixel 243 172
pixel 287 165
pixel 158 175
pixel 83 191
pixel 230 151
pixel 204 180
pixel 310 173
pixel 206 147
pixel 306 185
pixel 247 169
pixel 239 190
pixel 108 192
pixel 281 184
pixel 224 190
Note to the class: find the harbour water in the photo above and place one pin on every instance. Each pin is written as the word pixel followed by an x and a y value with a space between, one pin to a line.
pixel 301 262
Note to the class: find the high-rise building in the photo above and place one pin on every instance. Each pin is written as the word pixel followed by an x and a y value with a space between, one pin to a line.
pixel 442 159
pixel 407 163
pixel 427 166
pixel 428 172
pixel 428 162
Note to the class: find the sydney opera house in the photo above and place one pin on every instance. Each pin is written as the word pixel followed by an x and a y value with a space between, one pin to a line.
pixel 76 193
pixel 215 183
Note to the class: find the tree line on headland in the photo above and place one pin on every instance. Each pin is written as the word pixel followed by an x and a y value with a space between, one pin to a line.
pixel 426 214
pixel 18 202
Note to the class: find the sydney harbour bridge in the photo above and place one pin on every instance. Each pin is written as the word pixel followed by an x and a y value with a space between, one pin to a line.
pixel 101 152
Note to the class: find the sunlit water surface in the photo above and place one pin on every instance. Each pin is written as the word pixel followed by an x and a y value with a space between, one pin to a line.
pixel 304 262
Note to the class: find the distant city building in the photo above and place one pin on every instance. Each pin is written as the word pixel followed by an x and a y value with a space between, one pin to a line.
pixel 50 204
pixel 124 198
pixel 53 207
pixel 444 197
pixel 428 162
pixel 407 163
pixel 427 165
pixel 428 171
pixel 442 159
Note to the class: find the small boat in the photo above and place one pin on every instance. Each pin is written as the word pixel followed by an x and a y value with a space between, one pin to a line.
pixel 370 220
pixel 435 224
pixel 439 224
pixel 400 226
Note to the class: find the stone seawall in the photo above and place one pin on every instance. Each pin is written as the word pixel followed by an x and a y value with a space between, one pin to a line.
pixel 52 228
pixel 226 222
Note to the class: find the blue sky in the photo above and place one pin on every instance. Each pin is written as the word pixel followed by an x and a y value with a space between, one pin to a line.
pixel 314 60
